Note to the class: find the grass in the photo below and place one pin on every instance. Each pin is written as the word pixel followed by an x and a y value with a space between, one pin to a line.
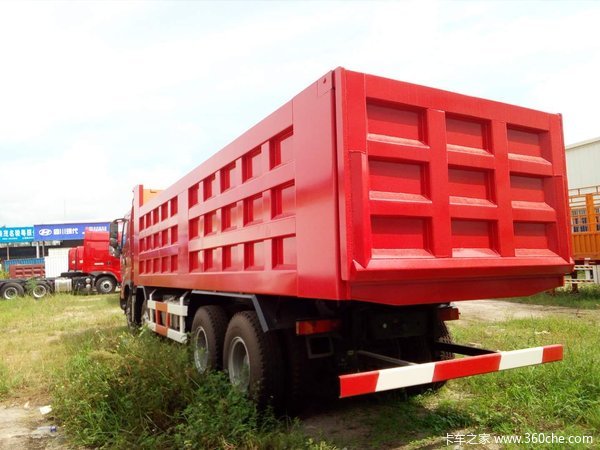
pixel 110 388
pixel 588 297
pixel 561 398
pixel 141 392
pixel 115 389
pixel 41 336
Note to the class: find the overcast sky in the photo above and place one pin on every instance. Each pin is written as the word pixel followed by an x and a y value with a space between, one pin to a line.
pixel 96 97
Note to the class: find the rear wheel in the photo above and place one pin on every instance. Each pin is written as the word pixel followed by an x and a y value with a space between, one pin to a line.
pixel 421 351
pixel 10 291
pixel 132 323
pixel 252 359
pixel 208 333
pixel 297 372
pixel 40 290
pixel 106 285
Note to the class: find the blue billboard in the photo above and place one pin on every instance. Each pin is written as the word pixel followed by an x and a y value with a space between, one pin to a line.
pixel 66 231
pixel 16 234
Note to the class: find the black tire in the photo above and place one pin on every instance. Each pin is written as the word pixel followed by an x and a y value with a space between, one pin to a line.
pixel 208 334
pixel 253 360
pixel 40 290
pixel 106 285
pixel 296 372
pixel 132 323
pixel 423 352
pixel 10 291
pixel 443 335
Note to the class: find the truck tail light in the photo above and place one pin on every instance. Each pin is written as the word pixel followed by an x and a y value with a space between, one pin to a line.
pixel 308 327
pixel 448 313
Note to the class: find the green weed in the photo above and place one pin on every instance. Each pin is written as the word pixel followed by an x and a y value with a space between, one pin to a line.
pixel 129 391
pixel 220 417
pixel 122 389
pixel 588 297
pixel 6 381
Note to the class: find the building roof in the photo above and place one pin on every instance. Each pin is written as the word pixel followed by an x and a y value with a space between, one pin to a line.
pixel 582 143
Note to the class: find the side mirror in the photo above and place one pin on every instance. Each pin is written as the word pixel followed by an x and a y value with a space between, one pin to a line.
pixel 113 239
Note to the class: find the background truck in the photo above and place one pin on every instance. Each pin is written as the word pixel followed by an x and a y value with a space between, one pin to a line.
pixel 93 258
pixel 90 267
pixel 585 229
pixel 323 246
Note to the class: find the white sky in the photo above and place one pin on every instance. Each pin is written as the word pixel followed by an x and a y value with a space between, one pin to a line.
pixel 96 97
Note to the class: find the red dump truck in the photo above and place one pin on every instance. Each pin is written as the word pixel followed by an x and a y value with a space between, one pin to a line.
pixel 328 241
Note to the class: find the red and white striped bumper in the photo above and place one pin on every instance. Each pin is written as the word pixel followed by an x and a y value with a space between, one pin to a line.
pixel 400 377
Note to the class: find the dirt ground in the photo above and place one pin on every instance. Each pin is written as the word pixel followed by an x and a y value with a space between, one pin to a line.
pixel 23 427
pixel 26 428
pixel 496 311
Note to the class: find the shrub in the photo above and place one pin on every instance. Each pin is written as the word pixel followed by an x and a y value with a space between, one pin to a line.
pixel 123 393
pixel 128 391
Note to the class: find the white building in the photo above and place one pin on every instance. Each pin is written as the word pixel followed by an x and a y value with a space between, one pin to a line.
pixel 583 163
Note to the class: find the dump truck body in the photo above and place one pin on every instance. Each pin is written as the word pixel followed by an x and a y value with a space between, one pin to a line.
pixel 340 227
pixel 367 191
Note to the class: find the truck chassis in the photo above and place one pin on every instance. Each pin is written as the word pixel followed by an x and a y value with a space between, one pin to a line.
pixel 282 350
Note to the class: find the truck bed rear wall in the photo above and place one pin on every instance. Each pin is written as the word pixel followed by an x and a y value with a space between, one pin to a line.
pixel 445 196
pixel 370 189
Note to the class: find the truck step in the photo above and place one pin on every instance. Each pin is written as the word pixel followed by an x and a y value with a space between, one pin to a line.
pixel 167 318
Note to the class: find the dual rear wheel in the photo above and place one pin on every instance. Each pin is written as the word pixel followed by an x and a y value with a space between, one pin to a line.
pixel 251 358
pixel 10 291
pixel 255 364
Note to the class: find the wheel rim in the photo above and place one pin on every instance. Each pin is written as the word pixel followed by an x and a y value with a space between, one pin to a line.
pixel 201 350
pixel 145 314
pixel 39 291
pixel 11 293
pixel 239 364
pixel 106 286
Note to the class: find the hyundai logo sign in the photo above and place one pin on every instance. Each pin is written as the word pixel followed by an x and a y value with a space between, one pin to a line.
pixel 67 231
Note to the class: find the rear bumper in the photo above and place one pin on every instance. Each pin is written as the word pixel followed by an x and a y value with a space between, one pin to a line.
pixel 415 374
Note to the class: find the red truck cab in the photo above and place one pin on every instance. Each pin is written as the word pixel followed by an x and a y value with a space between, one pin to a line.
pixel 93 257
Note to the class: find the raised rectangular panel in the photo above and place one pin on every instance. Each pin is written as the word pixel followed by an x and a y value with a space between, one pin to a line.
pixel 472 238
pixel 404 124
pixel 400 236
pixel 470 183
pixel 397 177
pixel 468 133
